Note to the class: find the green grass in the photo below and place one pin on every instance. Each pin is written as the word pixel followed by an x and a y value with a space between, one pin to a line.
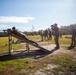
pixel 34 37
pixel 13 67
pixel 16 46
pixel 4 44
pixel 67 63
pixel 62 40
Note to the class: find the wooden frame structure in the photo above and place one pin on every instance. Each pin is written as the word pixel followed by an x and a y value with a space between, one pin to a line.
pixel 14 32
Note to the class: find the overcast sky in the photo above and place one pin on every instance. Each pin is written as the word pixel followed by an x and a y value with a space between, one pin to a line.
pixel 40 14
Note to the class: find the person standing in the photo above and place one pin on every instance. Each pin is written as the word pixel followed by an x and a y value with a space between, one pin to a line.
pixel 73 39
pixel 49 34
pixel 41 32
pixel 55 30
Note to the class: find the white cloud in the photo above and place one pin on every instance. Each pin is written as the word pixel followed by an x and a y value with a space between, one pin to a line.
pixel 3 26
pixel 15 19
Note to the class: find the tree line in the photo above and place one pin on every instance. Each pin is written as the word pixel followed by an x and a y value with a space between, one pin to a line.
pixel 64 30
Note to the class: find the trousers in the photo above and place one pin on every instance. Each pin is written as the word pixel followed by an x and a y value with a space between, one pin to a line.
pixel 56 38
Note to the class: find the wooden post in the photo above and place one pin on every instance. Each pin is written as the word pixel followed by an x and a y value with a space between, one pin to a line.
pixel 10 42
pixel 9 47
pixel 27 47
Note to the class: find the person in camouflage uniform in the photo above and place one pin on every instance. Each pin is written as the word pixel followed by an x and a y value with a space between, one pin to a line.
pixel 49 34
pixel 73 39
pixel 55 30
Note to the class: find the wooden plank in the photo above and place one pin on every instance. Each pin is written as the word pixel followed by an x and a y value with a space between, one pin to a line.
pixel 22 37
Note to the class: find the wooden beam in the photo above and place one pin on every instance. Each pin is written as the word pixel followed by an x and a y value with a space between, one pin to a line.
pixel 9 44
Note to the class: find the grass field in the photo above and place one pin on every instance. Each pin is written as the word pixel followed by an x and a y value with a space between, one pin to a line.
pixel 66 64
pixel 24 66
pixel 4 44
pixel 62 40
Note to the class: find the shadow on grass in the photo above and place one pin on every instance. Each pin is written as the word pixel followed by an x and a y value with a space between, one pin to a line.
pixel 34 54
pixel 71 47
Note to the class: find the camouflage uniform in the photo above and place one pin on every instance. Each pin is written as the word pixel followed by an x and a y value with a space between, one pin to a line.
pixel 49 34
pixel 41 32
pixel 73 37
pixel 56 35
